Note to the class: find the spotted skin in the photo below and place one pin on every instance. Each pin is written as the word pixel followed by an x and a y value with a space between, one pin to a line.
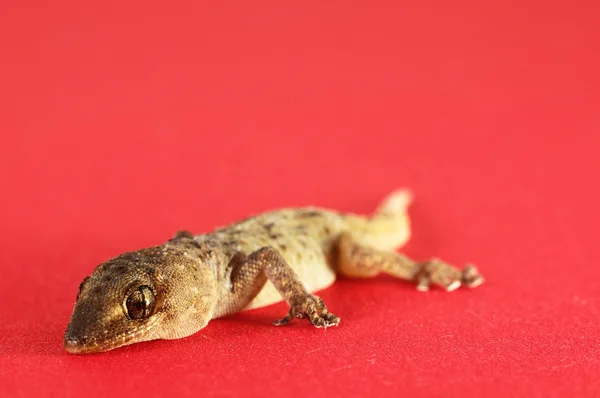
pixel 173 290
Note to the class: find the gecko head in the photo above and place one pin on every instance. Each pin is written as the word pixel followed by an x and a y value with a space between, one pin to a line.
pixel 164 292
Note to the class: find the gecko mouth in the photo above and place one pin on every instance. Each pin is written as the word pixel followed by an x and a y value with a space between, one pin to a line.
pixel 90 345
pixel 86 346
pixel 81 346
pixel 83 343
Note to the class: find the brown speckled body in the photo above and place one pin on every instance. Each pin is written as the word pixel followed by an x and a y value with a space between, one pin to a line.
pixel 305 238
pixel 174 289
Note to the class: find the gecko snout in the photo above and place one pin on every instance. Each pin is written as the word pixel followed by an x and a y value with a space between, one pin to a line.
pixel 78 345
pixel 73 345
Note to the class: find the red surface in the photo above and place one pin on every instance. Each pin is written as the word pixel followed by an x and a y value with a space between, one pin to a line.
pixel 122 123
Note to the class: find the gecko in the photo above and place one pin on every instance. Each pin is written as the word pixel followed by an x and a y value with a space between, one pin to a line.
pixel 173 290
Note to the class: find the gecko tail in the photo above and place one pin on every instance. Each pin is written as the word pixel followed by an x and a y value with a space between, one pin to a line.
pixel 395 204
pixel 389 226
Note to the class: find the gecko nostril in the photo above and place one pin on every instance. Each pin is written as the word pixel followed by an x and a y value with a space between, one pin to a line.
pixel 74 341
pixel 72 345
pixel 76 345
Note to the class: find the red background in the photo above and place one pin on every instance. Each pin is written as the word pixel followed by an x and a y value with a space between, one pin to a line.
pixel 124 122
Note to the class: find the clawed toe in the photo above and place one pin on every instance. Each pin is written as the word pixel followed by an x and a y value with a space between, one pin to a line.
pixel 325 321
pixel 313 308
pixel 471 276
pixel 453 286
pixel 283 321
pixel 446 276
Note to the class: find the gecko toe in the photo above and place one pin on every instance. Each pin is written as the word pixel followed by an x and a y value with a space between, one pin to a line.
pixel 325 321
pixel 313 308
pixel 471 276
pixel 330 320
pixel 283 321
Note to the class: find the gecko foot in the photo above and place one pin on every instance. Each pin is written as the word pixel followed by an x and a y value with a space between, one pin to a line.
pixel 311 307
pixel 448 277
pixel 471 276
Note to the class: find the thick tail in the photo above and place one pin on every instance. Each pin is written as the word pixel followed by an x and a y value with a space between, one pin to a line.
pixel 389 226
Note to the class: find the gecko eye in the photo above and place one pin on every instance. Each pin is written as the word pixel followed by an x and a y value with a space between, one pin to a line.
pixel 140 304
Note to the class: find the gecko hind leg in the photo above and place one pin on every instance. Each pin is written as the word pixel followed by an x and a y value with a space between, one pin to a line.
pixel 250 274
pixel 359 261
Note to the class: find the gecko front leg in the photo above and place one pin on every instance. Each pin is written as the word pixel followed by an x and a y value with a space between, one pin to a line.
pixel 249 275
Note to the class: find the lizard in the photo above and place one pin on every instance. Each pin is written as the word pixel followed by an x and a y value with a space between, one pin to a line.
pixel 173 290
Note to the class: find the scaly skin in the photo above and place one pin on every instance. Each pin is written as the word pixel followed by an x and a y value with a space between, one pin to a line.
pixel 173 290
